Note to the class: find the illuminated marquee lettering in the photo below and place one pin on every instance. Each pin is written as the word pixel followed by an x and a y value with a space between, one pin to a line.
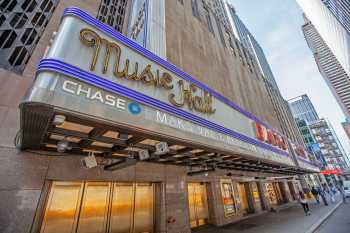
pixel 270 137
pixel 187 93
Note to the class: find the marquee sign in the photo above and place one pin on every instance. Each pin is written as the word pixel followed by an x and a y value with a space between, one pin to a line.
pixel 94 70
pixel 270 136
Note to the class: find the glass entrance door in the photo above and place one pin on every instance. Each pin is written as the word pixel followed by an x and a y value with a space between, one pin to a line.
pixel 243 198
pixel 197 199
pixel 94 207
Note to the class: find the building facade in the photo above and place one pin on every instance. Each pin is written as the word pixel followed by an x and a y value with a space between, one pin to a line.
pixel 302 108
pixel 330 146
pixel 249 42
pixel 131 128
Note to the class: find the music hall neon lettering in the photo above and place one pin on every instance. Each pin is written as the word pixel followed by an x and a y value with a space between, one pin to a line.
pixel 188 93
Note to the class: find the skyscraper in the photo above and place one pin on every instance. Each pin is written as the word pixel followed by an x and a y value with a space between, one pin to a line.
pixel 330 20
pixel 249 42
pixel 341 10
pixel 303 109
pixel 331 70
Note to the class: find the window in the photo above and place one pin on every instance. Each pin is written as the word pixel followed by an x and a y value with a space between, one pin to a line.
pixel 112 12
pixel 208 19
pixel 194 8
pixel 181 1
pixel 218 23
pixel 21 26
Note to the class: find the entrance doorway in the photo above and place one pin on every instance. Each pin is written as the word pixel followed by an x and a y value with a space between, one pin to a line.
pixel 94 207
pixel 242 189
pixel 198 204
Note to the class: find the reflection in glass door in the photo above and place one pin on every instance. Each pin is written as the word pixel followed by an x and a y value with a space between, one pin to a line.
pixel 198 204
pixel 243 197
pixel 94 207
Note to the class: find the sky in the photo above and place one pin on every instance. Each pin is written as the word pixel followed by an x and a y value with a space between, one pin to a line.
pixel 276 25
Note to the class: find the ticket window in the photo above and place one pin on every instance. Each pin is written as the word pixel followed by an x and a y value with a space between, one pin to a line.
pixel 243 195
pixel 198 204
pixel 93 207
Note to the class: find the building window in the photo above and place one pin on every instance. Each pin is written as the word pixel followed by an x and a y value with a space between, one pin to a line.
pixel 181 1
pixel 220 31
pixel 112 12
pixel 195 8
pixel 21 26
pixel 208 19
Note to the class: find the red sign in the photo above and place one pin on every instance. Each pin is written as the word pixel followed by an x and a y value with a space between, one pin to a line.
pixel 334 171
pixel 300 151
pixel 269 136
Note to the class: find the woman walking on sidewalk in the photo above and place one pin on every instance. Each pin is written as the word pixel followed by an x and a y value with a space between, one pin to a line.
pixel 304 203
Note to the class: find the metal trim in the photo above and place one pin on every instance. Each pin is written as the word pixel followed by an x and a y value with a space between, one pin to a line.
pixel 72 71
pixel 74 11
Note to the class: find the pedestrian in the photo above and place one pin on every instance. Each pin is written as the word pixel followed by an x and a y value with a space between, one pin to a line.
pixel 323 195
pixel 342 192
pixel 316 194
pixel 304 203
pixel 332 192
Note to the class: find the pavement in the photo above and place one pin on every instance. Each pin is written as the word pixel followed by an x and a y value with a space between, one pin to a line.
pixel 338 222
pixel 291 220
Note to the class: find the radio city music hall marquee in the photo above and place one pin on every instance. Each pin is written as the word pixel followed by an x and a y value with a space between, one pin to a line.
pixel 118 72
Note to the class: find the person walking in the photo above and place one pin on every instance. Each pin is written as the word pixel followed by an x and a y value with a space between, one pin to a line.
pixel 303 202
pixel 315 193
pixel 332 192
pixel 323 195
pixel 342 192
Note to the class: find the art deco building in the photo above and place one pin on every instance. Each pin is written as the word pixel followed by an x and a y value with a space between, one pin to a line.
pixel 135 116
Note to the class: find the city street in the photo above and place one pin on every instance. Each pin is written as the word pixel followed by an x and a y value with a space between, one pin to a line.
pixel 291 220
pixel 339 221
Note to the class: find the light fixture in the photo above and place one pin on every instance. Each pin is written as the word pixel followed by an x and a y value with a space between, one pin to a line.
pixel 58 120
pixel 62 146
pixel 161 148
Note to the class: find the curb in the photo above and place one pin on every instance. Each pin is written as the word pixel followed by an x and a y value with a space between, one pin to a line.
pixel 316 225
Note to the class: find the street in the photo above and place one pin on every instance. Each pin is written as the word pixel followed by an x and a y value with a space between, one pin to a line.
pixel 339 221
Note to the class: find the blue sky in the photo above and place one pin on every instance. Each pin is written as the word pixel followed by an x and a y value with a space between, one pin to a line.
pixel 276 25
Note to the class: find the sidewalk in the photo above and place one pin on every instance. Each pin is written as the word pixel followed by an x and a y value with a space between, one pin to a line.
pixel 291 220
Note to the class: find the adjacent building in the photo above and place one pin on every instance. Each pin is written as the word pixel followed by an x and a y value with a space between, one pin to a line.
pixel 136 116
pixel 318 134
pixel 330 146
pixel 303 109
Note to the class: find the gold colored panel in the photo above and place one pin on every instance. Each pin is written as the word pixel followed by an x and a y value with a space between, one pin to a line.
pixel 191 203
pixel 94 209
pixel 62 208
pixel 197 199
pixel 243 197
pixel 144 202
pixel 201 202
pixel 122 208
pixel 111 134
pixel 75 127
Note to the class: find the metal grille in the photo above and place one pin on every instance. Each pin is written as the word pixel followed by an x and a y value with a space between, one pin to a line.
pixel 22 23
pixel 112 12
